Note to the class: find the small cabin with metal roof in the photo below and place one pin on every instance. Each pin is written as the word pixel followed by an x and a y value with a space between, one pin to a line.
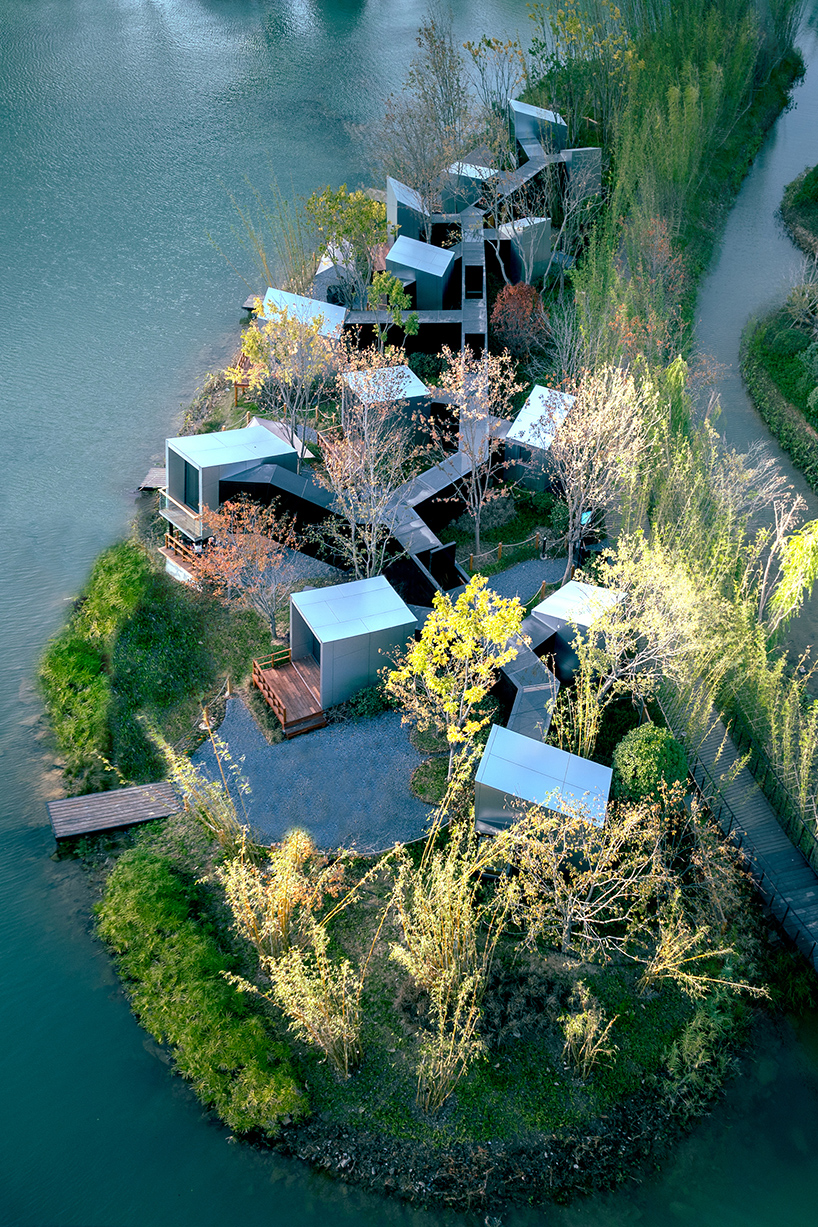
pixel 350 631
pixel 517 772
pixel 531 434
pixel 195 465
pixel 329 317
pixel 430 268
pixel 530 123
pixel 570 611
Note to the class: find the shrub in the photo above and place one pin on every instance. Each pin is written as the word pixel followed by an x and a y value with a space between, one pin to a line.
pixel 371 701
pixel 807 192
pixel 644 758
pixel 152 918
pixel 518 320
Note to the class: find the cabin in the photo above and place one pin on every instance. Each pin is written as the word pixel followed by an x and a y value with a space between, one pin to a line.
pixel 517 772
pixel 396 386
pixel 529 246
pixel 529 123
pixel 195 466
pixel 307 311
pixel 429 268
pixel 571 610
pixel 531 434
pixel 463 184
pixel 349 631
pixel 405 212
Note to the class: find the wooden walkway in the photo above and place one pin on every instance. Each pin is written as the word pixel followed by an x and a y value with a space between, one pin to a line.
pixel 292 689
pixel 785 879
pixel 104 811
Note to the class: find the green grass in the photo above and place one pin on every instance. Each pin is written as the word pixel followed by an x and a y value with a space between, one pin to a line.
pixel 155 920
pixel 429 779
pixel 139 646
pixel 786 421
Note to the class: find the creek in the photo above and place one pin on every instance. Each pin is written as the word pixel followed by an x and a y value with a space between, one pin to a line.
pixel 125 124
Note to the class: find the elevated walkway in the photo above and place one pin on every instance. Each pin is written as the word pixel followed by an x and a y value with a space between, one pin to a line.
pixel 781 872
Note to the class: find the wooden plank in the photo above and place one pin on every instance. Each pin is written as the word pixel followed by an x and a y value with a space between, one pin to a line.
pixel 104 811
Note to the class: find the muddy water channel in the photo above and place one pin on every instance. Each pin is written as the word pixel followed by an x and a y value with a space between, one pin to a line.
pixel 122 122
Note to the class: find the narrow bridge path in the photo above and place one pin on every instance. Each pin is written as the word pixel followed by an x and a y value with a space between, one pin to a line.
pixel 783 874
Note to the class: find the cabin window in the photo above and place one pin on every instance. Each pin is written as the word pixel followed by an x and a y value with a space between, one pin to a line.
pixel 191 486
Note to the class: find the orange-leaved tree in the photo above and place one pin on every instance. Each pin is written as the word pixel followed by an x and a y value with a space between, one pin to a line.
pixel 247 560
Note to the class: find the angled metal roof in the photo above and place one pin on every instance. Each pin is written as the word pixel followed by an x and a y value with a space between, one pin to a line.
pixel 539 774
pixel 381 384
pixel 532 112
pixel 578 603
pixel 540 417
pixel 406 196
pixel 346 610
pixel 472 171
pixel 306 310
pixel 302 485
pixel 249 443
pixel 421 257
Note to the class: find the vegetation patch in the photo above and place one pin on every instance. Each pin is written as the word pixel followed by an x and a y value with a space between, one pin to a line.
pixel 799 209
pixel 155 919
pixel 139 646
pixel 428 780
pixel 762 366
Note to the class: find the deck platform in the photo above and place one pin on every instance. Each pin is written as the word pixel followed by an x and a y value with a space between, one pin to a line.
pixel 292 689
pixel 104 811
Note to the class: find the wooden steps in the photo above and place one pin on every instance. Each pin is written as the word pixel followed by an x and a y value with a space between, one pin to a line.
pixel 292 689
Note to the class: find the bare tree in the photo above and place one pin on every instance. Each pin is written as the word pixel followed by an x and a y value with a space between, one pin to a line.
pixel 365 462
pixel 482 388
pixel 428 127
pixel 246 560
pixel 593 455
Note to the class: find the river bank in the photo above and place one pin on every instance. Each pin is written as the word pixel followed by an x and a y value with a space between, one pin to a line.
pixel 799 210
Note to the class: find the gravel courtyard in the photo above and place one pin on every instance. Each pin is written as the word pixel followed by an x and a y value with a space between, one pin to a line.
pixel 347 784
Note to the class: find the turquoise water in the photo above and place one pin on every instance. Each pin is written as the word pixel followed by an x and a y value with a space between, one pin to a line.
pixel 124 124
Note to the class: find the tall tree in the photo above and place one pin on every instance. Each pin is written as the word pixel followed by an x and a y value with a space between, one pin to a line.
pixel 352 231
pixel 593 455
pixel 290 360
pixel 365 462
pixel 482 389
pixel 446 675
pixel 387 294
pixel 247 559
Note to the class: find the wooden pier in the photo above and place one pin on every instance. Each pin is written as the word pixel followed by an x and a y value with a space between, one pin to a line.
pixel 292 689
pixel 105 811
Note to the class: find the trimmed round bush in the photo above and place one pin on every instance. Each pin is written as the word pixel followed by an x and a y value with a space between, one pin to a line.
pixel 645 757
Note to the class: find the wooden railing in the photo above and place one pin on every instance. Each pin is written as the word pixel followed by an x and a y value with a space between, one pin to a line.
pixel 178 546
pixel 277 658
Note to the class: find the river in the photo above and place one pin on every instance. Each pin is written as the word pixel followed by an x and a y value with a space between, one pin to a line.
pixel 124 124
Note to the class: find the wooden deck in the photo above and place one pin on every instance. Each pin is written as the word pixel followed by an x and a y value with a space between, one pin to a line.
pixel 104 811
pixel 782 874
pixel 292 690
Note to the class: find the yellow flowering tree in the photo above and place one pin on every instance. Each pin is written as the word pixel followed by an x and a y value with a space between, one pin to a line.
pixel 447 673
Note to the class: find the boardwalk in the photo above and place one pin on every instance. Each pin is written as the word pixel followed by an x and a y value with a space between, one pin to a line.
pixel 782 874
pixel 104 811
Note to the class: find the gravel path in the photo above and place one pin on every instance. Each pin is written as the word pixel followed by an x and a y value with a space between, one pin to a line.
pixel 524 578
pixel 347 784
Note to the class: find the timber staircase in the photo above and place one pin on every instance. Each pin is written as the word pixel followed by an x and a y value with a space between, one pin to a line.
pixel 292 689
